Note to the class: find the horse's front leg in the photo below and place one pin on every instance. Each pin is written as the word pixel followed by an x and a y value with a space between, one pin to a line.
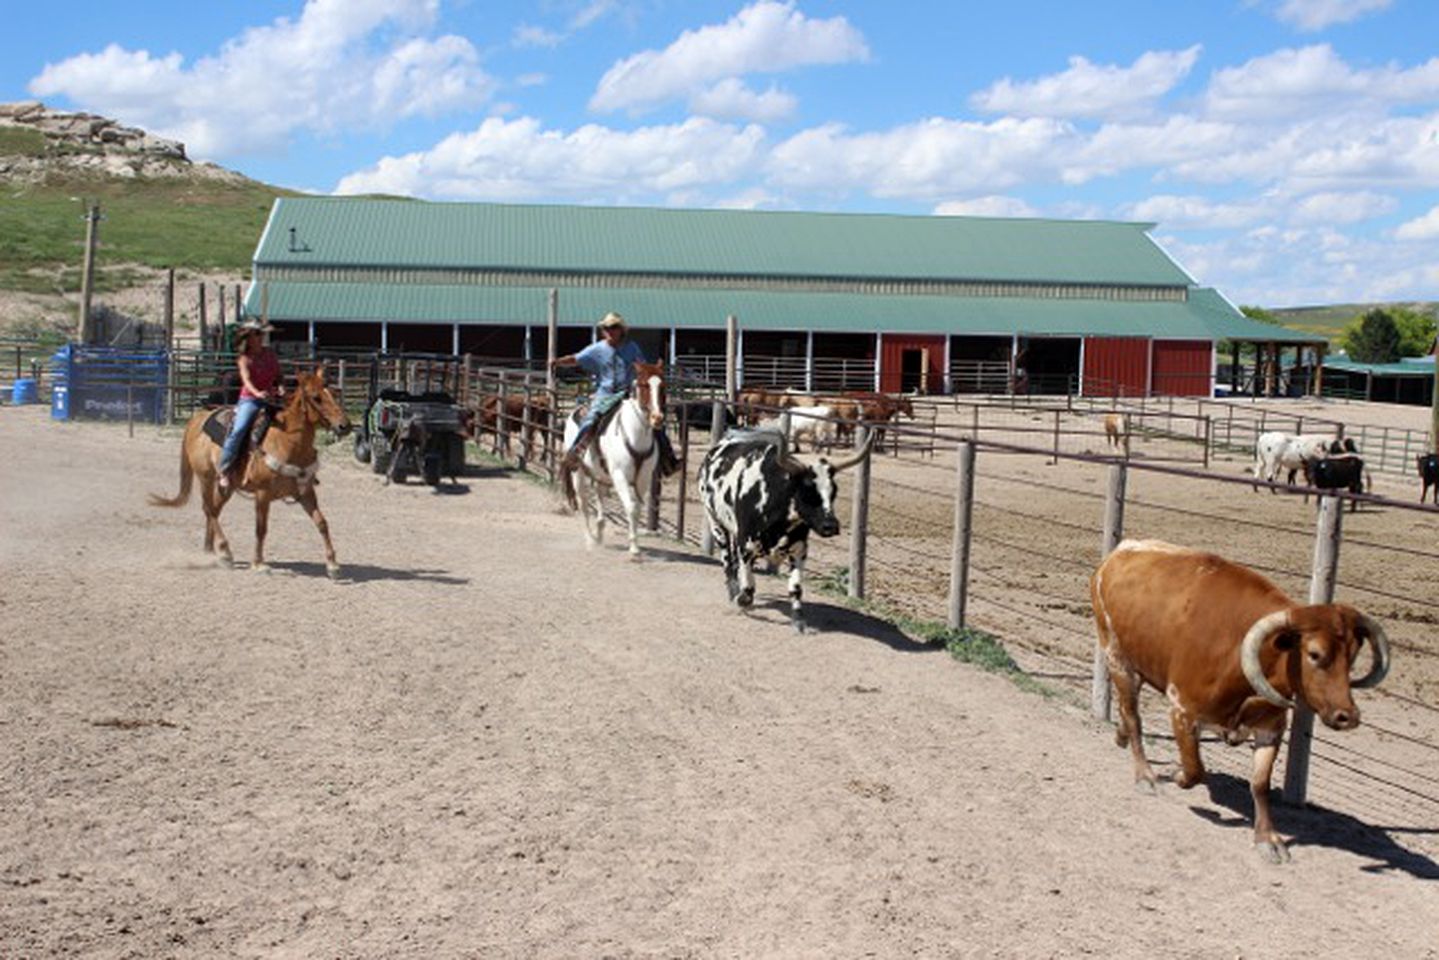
pixel 312 507
pixel 262 524
pixel 631 506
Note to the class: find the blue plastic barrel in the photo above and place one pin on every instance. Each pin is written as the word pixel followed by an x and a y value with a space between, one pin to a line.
pixel 26 390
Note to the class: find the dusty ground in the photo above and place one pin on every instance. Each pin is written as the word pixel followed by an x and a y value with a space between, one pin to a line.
pixel 489 742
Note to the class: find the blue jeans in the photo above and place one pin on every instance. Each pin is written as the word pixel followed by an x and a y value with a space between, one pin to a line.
pixel 245 413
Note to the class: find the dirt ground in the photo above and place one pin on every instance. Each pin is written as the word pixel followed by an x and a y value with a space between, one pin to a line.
pixel 486 741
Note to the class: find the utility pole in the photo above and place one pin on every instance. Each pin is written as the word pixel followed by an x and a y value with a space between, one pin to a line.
pixel 87 274
pixel 1434 411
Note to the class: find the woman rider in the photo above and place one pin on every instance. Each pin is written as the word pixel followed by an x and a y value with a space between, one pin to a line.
pixel 259 370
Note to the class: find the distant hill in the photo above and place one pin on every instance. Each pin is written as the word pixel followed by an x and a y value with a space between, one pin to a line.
pixel 1329 321
pixel 159 209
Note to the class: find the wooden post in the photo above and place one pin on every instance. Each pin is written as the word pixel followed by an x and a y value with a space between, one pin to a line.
pixel 552 341
pixel 220 310
pixel 731 371
pixel 1208 438
pixel 684 478
pixel 1323 575
pixel 707 540
pixel 859 519
pixel 1055 459
pixel 87 273
pixel 1101 695
pixel 963 524
pixel 169 314
pixel 204 322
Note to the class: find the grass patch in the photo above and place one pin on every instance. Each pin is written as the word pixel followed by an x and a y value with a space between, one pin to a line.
pixel 968 645
pixel 198 225
pixel 21 142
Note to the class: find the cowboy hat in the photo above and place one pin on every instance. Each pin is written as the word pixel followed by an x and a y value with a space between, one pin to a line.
pixel 253 325
pixel 611 319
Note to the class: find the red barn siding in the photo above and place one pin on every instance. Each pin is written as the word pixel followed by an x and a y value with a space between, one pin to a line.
pixel 1116 366
pixel 1182 367
pixel 891 361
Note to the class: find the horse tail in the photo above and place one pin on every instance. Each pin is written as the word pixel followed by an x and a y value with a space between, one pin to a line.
pixel 187 481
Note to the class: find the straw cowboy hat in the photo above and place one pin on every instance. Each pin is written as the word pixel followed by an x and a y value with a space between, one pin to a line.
pixel 253 325
pixel 612 319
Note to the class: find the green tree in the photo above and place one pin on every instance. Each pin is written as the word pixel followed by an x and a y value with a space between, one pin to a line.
pixel 1373 338
pixel 1416 331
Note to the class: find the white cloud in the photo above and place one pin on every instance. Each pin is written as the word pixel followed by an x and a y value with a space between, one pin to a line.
pixel 1425 227
pixel 1296 84
pixel 1338 207
pixel 765 37
pixel 527 35
pixel 1318 14
pixel 341 64
pixel 990 206
pixel 1116 147
pixel 925 160
pixel 1195 212
pixel 730 99
pixel 518 159
pixel 1091 90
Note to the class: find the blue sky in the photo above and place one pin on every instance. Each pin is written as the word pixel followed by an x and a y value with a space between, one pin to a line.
pixel 1287 149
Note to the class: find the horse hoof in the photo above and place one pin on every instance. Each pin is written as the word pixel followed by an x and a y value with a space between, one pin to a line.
pixel 332 570
pixel 636 556
pixel 260 567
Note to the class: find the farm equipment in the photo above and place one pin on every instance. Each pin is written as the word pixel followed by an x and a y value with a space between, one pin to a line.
pixel 413 425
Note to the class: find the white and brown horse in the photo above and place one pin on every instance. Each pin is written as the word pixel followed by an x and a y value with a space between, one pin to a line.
pixel 624 454
pixel 283 468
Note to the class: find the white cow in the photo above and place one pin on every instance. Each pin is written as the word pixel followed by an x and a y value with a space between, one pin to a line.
pixel 814 423
pixel 1276 450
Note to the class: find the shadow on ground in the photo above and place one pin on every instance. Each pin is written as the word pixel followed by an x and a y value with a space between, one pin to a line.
pixel 1312 826
pixel 365 573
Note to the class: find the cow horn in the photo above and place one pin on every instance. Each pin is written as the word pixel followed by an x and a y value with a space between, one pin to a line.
pixel 1377 638
pixel 1263 628
pixel 859 455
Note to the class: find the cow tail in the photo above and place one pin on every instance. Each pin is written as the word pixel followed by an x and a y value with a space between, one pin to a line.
pixel 187 481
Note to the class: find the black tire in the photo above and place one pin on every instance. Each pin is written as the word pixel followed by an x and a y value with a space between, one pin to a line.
pixel 431 468
pixel 380 454
pixel 454 455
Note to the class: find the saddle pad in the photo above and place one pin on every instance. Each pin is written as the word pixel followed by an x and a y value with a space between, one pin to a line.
pixel 217 424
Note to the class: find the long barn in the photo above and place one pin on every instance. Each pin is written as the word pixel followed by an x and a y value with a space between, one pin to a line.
pixel 823 301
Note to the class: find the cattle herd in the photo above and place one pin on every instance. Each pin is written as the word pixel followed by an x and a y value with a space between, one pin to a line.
pixel 1226 646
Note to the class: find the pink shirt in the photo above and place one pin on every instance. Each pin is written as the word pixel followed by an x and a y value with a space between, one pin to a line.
pixel 264 371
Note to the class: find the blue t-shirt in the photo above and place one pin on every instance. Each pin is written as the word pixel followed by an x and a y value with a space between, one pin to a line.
pixel 612 369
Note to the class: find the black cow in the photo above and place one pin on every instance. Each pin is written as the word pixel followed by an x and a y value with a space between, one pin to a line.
pixel 762 501
pixel 1429 473
pixel 700 413
pixel 1333 472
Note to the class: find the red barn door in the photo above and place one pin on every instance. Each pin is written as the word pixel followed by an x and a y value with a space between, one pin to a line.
pixel 1116 366
pixel 1182 368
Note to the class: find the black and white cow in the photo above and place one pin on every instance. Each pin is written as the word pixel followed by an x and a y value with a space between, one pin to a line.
pixel 762 502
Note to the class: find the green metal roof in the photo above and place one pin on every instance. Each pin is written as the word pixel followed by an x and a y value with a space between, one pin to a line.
pixel 1206 316
pixel 349 231
pixel 1423 367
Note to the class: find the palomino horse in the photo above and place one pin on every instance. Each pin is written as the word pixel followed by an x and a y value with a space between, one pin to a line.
pixel 283 467
pixel 627 450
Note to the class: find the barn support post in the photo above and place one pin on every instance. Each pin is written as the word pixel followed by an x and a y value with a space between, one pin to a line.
pixel 809 361
pixel 731 357
pixel 859 518
pixel 1101 695
pixel 963 524
pixel 717 411
pixel 1325 572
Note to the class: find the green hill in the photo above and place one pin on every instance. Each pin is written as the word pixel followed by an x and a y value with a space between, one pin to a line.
pixel 1329 321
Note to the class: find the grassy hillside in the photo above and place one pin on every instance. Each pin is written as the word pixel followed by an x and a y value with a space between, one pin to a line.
pixel 190 224
pixel 1330 321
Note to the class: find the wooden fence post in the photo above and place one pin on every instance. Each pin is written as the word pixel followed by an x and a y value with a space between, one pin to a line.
pixel 963 523
pixel 731 361
pixel 1324 573
pixel 1208 439
pixel 717 411
pixel 1055 459
pixel 684 478
pixel 1101 695
pixel 859 519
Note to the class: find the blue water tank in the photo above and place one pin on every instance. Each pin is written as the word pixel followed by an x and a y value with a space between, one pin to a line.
pixel 25 390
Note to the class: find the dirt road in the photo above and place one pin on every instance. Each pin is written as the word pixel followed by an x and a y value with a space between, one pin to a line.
pixel 488 742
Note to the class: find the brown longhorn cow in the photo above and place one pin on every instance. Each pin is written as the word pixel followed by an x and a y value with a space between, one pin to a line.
pixel 1231 651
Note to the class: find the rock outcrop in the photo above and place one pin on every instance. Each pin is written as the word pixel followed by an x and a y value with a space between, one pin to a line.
pixel 87 144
